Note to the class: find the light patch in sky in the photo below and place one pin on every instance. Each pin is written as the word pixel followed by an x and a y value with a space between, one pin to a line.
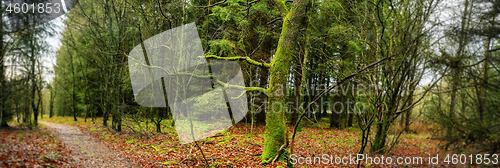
pixel 55 44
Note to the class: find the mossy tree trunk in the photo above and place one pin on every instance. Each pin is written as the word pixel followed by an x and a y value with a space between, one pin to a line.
pixel 280 66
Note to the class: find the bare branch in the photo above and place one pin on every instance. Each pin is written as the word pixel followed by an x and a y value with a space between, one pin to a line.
pixel 272 21
pixel 493 50
pixel 327 90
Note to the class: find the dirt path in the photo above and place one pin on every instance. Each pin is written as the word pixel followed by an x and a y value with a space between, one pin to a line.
pixel 87 151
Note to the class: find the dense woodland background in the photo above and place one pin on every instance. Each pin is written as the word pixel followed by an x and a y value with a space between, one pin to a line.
pixel 429 62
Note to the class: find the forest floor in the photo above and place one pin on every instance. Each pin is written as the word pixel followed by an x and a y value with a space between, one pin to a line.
pixel 36 147
pixel 236 147
pixel 55 145
pixel 86 150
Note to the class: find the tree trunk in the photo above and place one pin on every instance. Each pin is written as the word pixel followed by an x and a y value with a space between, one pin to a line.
pixel 3 95
pixel 296 102
pixel 352 106
pixel 105 114
pixel 408 116
pixel 275 119
pixel 159 118
pixel 380 138
pixel 75 109
pixel 351 118
pixel 481 97
pixel 260 113
pixel 335 116
pixel 41 109
pixel 33 82
pixel 456 70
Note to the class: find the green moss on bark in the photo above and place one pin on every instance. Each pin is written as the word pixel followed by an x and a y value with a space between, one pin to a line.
pixel 275 118
pixel 280 67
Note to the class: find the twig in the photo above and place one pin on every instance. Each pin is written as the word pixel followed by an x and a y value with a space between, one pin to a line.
pixel 272 21
pixel 493 50
pixel 190 153
pixel 217 136
pixel 208 6
pixel 279 153
pixel 48 165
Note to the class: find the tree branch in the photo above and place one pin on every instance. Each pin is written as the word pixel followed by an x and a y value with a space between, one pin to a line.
pixel 279 153
pixel 422 97
pixel 208 6
pixel 493 50
pixel 328 89
pixel 240 58
pixel 249 5
pixel 272 21
pixel 282 7
pixel 248 89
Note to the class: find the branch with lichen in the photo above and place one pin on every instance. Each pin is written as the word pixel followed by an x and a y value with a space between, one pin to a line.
pixel 248 89
pixel 240 58
pixel 208 6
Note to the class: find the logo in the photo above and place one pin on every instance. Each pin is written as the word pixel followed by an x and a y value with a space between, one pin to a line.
pixel 204 96
pixel 25 13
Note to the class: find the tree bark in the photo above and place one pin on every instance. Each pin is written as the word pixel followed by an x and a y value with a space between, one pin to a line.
pixel 335 116
pixel 51 105
pixel 481 97
pixel 275 119
pixel 352 106
pixel 260 115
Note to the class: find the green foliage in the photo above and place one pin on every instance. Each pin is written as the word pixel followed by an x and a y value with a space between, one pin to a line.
pixel 223 14
pixel 221 47
pixel 353 46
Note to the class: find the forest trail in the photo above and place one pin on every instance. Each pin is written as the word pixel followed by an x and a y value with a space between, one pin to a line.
pixel 87 151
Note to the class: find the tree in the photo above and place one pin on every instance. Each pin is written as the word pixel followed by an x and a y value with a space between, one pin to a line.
pixel 470 118
pixel 26 44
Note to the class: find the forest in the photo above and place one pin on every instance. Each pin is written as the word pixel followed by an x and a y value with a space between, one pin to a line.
pixel 250 83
